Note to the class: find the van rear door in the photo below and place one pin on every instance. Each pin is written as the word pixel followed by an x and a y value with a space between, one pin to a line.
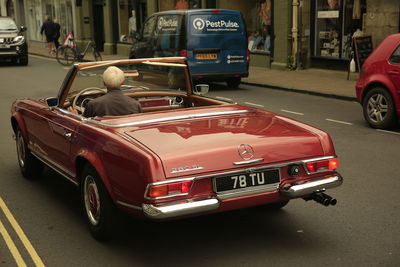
pixel 216 44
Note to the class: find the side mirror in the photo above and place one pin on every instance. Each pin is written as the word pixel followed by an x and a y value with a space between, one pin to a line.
pixel 201 89
pixel 23 28
pixel 52 101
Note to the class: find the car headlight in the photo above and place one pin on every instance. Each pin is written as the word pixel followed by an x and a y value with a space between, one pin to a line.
pixel 19 39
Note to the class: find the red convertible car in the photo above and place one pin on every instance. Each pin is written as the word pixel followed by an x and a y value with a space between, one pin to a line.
pixel 184 155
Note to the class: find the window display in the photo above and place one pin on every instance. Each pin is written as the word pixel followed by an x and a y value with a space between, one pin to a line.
pixel 260 26
pixel 335 23
pixel 131 14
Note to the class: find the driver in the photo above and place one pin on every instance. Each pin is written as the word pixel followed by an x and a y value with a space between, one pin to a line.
pixel 114 103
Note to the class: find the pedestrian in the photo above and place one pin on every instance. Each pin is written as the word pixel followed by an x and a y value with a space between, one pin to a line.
pixel 48 29
pixel 57 34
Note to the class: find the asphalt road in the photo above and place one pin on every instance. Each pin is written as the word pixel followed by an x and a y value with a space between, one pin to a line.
pixel 361 230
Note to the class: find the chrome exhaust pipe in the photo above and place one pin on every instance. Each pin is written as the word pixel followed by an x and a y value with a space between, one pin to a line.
pixel 323 199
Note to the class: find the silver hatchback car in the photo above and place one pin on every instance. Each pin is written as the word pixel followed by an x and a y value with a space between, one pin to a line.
pixel 13 45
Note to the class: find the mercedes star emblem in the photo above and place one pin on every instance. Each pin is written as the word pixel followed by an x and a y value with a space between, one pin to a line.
pixel 246 152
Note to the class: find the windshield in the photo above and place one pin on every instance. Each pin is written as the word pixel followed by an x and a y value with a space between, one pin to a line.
pixel 7 24
pixel 146 76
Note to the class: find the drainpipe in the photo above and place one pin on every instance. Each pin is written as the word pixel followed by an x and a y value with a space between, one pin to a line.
pixel 295 34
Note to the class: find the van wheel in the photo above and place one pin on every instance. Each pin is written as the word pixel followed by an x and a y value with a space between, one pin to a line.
pixel 378 108
pixel 233 82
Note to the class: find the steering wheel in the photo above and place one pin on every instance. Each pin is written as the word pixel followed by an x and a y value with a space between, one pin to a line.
pixel 81 108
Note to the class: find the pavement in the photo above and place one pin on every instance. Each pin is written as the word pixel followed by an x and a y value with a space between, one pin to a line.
pixel 328 83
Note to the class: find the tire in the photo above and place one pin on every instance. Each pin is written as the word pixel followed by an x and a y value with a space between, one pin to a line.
pixel 97 204
pixel 65 55
pixel 378 108
pixel 23 61
pixel 233 82
pixel 97 56
pixel 29 165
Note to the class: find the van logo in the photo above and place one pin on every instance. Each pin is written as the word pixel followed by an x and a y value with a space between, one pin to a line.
pixel 199 24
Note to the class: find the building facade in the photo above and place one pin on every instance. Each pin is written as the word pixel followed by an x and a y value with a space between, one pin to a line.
pixel 282 33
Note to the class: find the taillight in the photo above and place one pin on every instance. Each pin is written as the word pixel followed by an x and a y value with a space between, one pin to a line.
pixel 322 165
pixel 215 12
pixel 183 53
pixel 169 190
pixel 248 55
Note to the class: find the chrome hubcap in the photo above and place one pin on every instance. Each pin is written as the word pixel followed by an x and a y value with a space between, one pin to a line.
pixel 377 108
pixel 21 150
pixel 92 200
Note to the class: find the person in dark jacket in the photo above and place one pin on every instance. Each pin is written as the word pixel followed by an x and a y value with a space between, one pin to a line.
pixel 114 103
pixel 57 28
pixel 48 29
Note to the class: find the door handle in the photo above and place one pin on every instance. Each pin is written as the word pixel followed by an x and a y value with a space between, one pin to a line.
pixel 394 72
pixel 68 135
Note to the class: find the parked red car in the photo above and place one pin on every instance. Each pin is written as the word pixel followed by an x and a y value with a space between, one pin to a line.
pixel 378 89
pixel 185 155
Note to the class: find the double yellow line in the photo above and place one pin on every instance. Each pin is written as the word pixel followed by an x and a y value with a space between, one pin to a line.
pixel 10 243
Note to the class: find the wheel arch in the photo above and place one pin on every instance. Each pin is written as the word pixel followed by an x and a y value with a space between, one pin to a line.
pixel 389 87
pixel 87 158
pixel 18 123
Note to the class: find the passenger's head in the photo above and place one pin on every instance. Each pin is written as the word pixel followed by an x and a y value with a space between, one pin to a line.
pixel 113 78
pixel 55 20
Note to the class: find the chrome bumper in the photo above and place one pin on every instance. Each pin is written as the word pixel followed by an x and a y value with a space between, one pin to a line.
pixel 316 185
pixel 179 209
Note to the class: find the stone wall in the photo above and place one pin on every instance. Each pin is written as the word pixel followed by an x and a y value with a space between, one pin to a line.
pixel 381 19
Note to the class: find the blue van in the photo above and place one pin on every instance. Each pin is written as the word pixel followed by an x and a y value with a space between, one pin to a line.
pixel 214 41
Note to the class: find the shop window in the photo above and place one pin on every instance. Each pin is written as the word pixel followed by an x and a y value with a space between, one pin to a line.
pixel 336 21
pixel 259 19
pixel 131 14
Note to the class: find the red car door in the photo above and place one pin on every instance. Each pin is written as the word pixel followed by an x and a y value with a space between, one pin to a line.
pixel 393 68
pixel 50 134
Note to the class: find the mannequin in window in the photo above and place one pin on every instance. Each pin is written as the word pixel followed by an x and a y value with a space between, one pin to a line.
pixel 132 25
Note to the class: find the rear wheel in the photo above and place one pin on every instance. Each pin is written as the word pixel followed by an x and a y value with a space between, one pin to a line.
pixel 233 82
pixel 29 165
pixel 65 55
pixel 97 56
pixel 378 108
pixel 98 206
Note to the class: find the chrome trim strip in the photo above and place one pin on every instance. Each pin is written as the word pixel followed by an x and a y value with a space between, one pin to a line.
pixel 320 184
pixel 182 117
pixel 254 190
pixel 56 167
pixel 179 209
pixel 248 161
pixel 128 205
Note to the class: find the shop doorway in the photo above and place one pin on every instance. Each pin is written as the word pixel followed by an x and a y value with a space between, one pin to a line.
pixel 98 24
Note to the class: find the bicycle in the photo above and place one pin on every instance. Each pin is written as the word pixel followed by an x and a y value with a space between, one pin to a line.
pixel 69 54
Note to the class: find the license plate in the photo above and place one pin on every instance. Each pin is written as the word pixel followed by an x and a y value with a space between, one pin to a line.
pixel 246 180
pixel 206 56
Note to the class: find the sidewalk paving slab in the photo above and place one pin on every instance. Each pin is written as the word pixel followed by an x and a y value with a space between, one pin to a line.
pixel 322 82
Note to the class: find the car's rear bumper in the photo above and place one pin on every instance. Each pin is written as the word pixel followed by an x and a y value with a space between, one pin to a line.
pixel 178 209
pixel 313 186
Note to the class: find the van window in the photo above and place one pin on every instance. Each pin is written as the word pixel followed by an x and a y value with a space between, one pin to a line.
pixel 148 28
pixel 216 24
pixel 168 35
